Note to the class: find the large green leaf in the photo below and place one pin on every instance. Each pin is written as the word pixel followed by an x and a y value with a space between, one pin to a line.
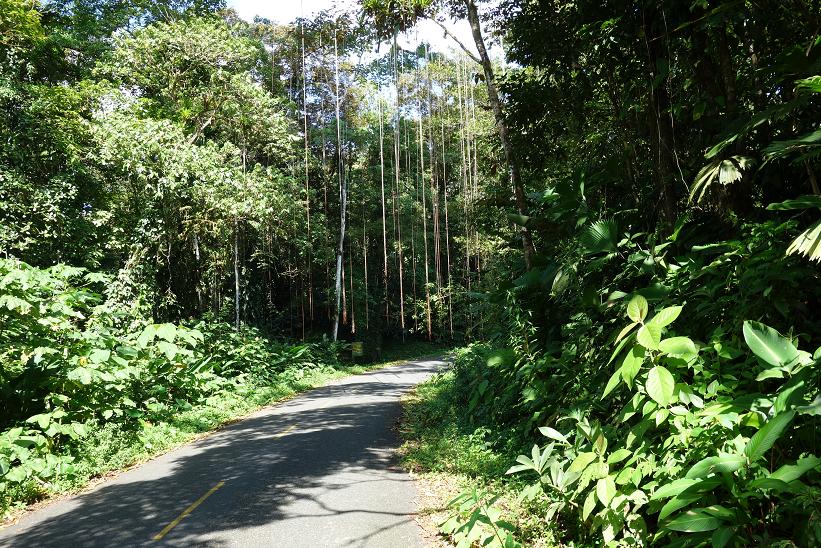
pixel 167 331
pixel 678 346
pixel 791 472
pixel 693 521
pixel 721 537
pixel 637 308
pixel 649 336
pixel 673 488
pixel 612 383
pixel 599 237
pixel 581 462
pixel 767 344
pixel 660 385
pixel 804 202
pixel 632 363
pixel 717 464
pixel 765 438
pixel 666 316
pixel 606 490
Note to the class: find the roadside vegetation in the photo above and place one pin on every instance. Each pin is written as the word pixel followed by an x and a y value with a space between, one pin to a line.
pixel 87 391
pixel 615 206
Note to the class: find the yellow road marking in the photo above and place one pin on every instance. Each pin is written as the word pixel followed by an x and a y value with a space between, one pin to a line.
pixel 285 432
pixel 187 511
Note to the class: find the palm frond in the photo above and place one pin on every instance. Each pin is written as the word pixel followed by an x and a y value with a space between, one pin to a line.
pixel 808 243
pixel 725 171
pixel 600 237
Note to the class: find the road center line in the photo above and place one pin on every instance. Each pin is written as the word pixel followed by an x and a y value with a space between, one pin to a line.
pixel 187 511
pixel 284 432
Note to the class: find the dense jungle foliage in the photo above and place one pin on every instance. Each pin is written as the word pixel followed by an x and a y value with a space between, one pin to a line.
pixel 615 205
pixel 657 368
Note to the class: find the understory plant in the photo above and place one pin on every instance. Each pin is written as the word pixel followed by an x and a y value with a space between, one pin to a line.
pixel 67 370
pixel 709 444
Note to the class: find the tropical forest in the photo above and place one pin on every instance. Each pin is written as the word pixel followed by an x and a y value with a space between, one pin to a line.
pixel 472 273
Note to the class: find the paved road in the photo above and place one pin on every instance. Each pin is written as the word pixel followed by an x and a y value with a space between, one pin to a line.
pixel 319 470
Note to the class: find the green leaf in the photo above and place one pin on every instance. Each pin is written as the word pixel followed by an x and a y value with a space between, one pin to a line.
pixel 99 356
pixel 632 363
pixel 589 505
pixel 614 381
pixel 719 464
pixel 660 385
pixel 81 375
pixel 599 237
pixel 16 474
pixel 624 332
pixel 553 434
pixel 520 220
pixel 618 455
pixel 771 373
pixel 803 202
pixel 673 488
pixel 169 349
pixel 666 316
pixel 606 490
pixel 721 537
pixel 678 346
pixel 581 461
pixel 649 336
pixel 693 521
pixel 765 438
pixel 167 331
pixel 770 484
pixel 808 243
pixel 637 309
pixel 791 472
pixel 677 503
pixel 146 336
pixel 767 344
pixel 619 348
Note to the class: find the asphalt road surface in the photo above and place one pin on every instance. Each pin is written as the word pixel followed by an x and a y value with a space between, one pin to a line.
pixel 319 470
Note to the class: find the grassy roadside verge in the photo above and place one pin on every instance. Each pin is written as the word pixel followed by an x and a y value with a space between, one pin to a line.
pixel 110 449
pixel 453 456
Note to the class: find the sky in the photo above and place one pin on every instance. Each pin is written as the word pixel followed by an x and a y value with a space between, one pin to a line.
pixel 285 11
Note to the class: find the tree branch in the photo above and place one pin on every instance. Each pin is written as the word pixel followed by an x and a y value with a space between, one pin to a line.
pixel 458 42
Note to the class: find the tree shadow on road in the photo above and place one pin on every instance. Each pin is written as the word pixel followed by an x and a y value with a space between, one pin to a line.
pixel 319 469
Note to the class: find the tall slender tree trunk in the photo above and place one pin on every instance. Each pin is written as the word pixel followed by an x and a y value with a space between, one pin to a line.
pixel 398 190
pixel 365 260
pixel 447 233
pixel 237 294
pixel 309 259
pixel 343 197
pixel 501 127
pixel 425 229
pixel 384 218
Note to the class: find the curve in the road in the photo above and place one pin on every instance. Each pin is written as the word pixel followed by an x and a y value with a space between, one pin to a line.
pixel 316 471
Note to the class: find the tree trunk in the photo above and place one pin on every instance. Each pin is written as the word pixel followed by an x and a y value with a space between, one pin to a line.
pixel 501 127
pixel 237 294
pixel 343 199
pixel 399 194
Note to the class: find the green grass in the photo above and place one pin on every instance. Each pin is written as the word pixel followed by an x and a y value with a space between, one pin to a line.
pixel 444 446
pixel 111 448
